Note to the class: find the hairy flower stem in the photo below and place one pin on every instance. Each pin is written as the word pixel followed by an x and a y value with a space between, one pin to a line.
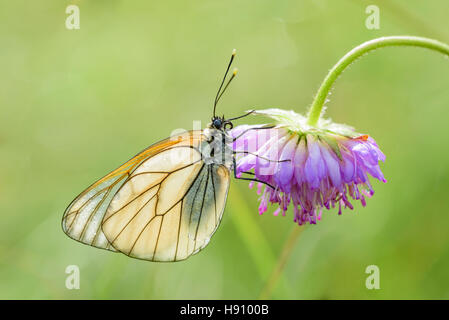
pixel 277 271
pixel 320 98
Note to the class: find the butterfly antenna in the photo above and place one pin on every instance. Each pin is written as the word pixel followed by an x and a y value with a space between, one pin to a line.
pixel 239 117
pixel 234 73
pixel 217 97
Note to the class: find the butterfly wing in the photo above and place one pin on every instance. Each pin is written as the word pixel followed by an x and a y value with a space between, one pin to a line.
pixel 162 205
pixel 169 207
pixel 82 218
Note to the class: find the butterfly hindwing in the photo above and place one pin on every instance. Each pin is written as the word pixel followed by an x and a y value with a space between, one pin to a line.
pixel 202 209
pixel 168 209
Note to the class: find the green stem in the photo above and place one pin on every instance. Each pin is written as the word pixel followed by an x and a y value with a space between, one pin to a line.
pixel 321 96
pixel 277 271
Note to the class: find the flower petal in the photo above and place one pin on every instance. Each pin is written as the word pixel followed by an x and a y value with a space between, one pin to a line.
pixel 285 168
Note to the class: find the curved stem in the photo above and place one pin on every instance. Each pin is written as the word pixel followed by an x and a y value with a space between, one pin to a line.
pixel 320 97
pixel 277 271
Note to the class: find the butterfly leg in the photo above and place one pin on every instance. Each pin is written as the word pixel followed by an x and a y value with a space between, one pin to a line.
pixel 248 179
pixel 256 155
pixel 257 128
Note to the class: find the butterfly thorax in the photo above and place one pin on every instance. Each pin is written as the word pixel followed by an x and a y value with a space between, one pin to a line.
pixel 216 147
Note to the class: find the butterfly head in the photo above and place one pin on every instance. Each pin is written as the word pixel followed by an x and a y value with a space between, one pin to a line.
pixel 220 123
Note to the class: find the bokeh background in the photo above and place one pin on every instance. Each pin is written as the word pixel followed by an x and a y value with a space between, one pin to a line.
pixel 75 104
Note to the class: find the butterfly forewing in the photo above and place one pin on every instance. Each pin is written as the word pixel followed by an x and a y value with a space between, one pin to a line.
pixel 162 205
pixel 82 218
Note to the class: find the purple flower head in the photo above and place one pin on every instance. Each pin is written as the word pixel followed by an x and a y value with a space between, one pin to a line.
pixel 310 168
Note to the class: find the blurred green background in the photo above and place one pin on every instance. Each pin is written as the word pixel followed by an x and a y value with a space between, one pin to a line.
pixel 75 104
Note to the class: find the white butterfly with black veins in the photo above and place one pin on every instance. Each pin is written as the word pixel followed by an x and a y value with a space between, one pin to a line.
pixel 166 202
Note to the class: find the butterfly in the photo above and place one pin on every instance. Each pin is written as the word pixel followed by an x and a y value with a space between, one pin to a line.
pixel 166 202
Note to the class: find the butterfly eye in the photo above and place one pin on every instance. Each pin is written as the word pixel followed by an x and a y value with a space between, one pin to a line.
pixel 217 123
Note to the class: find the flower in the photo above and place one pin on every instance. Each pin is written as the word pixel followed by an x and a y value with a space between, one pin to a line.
pixel 312 168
